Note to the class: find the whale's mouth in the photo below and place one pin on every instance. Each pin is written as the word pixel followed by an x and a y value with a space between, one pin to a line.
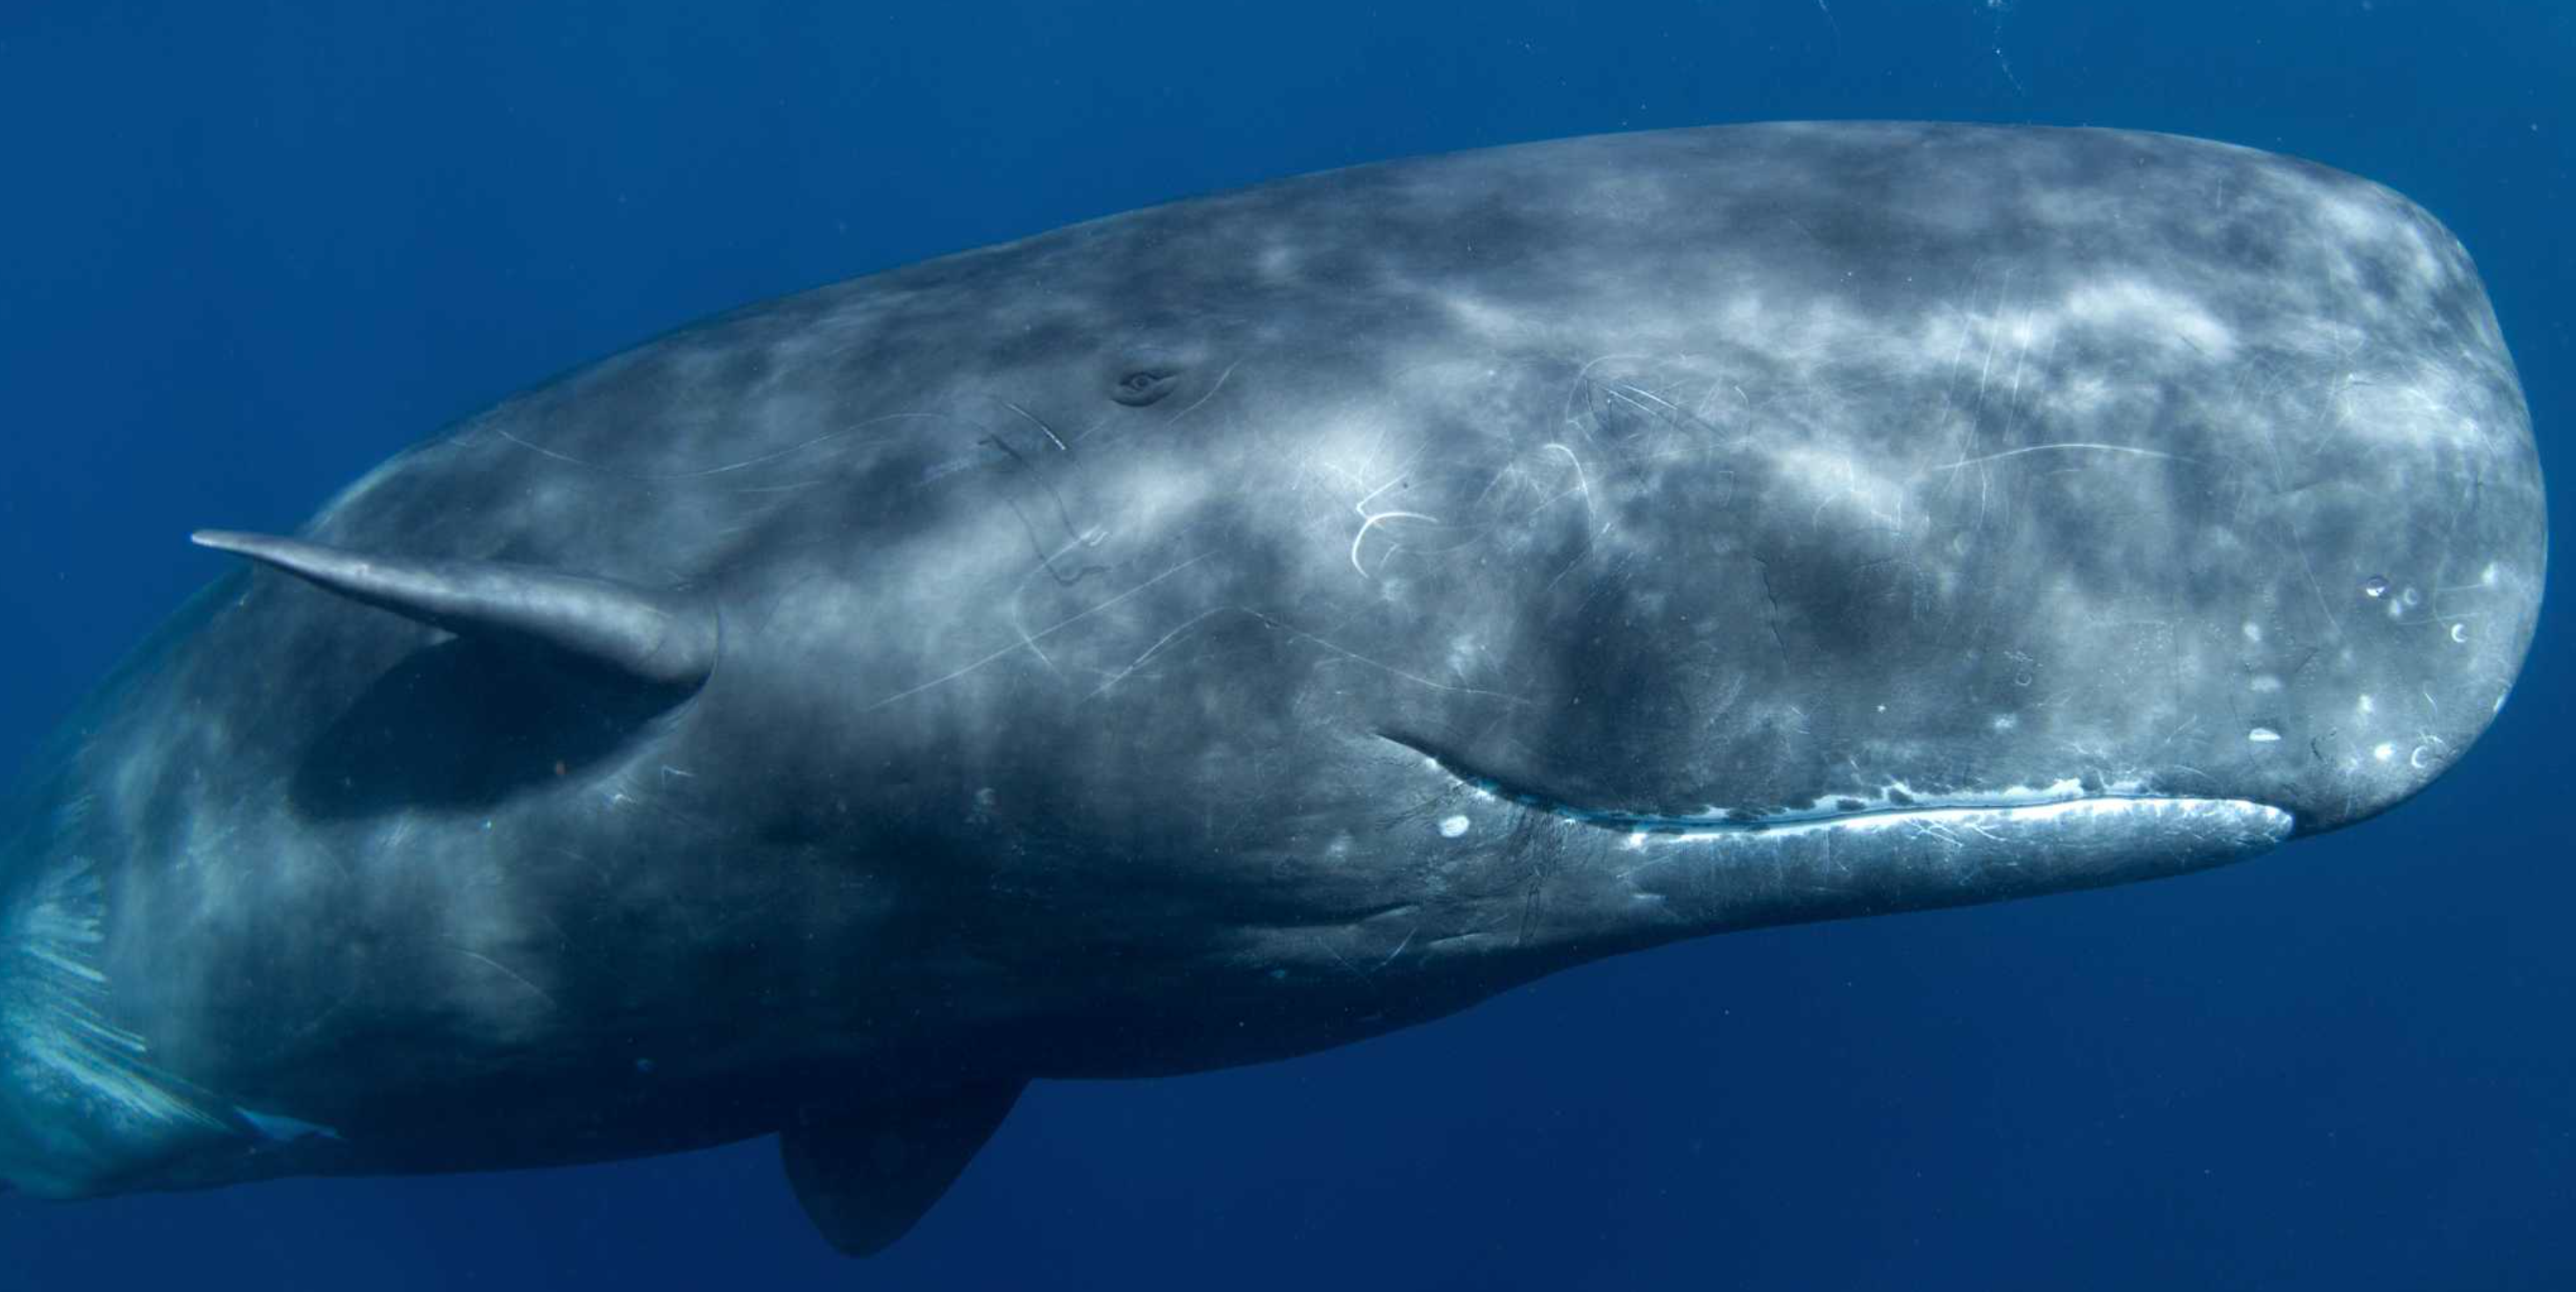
pixel 1719 869
pixel 2009 814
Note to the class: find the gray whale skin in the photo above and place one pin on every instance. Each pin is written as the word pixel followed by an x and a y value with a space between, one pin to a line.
pixel 1226 630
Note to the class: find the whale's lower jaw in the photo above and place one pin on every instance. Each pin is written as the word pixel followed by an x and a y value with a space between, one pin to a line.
pixel 1715 876
pixel 1895 807
pixel 1970 816
pixel 1719 869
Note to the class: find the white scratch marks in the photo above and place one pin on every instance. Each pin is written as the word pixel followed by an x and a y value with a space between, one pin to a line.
pixel 541 450
pixel 1042 426
pixel 506 972
pixel 1418 679
pixel 2071 445
pixel 1211 392
pixel 1030 640
pixel 1370 521
pixel 1150 651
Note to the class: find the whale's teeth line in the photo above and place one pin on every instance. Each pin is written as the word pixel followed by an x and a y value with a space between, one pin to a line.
pixel 2021 804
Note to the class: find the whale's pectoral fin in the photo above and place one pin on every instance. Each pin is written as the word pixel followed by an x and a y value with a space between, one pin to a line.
pixel 864 1176
pixel 652 636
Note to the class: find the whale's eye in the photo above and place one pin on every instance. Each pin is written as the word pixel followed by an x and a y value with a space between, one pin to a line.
pixel 1141 387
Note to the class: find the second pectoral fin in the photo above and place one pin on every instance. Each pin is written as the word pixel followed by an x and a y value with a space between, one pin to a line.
pixel 865 1175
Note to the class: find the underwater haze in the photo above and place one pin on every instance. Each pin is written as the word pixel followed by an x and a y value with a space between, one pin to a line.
pixel 254 248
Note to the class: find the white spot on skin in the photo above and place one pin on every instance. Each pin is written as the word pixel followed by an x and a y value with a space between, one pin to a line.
pixel 2005 722
pixel 2384 751
pixel 2253 631
pixel 1452 827
pixel 2459 632
pixel 2263 735
pixel 2365 705
pixel 2264 685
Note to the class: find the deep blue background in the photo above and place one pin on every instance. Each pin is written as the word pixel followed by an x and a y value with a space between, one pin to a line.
pixel 247 249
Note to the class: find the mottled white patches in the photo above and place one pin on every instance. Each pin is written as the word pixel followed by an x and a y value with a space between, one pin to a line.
pixel 2253 631
pixel 1806 330
pixel 1484 319
pixel 1278 261
pixel 2151 313
pixel 1453 826
pixel 2410 407
pixel 2383 751
pixel 2003 722
pixel 1638 196
pixel 2263 684
pixel 1832 476
pixel 1466 654
pixel 2374 218
pixel 2364 704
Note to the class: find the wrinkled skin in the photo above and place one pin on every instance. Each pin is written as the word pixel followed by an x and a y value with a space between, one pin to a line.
pixel 1245 626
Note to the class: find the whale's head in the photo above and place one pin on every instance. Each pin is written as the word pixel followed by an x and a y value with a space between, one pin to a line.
pixel 1517 571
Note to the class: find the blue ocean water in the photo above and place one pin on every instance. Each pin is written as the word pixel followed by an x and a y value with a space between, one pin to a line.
pixel 247 250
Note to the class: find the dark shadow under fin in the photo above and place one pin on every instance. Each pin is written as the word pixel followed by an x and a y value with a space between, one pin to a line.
pixel 663 639
pixel 864 1176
